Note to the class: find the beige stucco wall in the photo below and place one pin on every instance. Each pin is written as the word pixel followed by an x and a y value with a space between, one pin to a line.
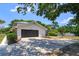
pixel 42 31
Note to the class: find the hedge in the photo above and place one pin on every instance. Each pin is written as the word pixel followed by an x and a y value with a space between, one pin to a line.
pixel 11 37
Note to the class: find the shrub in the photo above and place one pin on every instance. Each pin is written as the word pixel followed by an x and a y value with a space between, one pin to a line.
pixel 53 32
pixel 11 37
pixel 5 30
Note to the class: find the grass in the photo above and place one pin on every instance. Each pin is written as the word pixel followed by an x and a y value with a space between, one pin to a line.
pixel 64 37
pixel 1 37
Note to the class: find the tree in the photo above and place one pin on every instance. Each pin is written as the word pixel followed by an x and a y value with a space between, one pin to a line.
pixel 51 10
pixel 21 20
pixel 55 25
pixel 5 30
pixel 43 9
pixel 1 22
pixel 41 23
pixel 18 20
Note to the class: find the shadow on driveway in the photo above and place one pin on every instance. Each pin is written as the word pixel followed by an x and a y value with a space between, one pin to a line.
pixel 33 47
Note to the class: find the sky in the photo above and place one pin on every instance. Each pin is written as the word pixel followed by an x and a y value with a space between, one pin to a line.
pixel 8 13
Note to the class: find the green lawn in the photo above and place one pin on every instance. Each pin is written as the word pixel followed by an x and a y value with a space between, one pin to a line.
pixel 1 37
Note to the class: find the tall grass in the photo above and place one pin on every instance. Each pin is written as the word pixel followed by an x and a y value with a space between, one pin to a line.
pixel 1 37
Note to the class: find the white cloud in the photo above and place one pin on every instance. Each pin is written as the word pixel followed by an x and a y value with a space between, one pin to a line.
pixel 14 9
pixel 65 21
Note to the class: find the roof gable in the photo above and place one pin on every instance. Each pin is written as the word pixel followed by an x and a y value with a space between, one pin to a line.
pixel 33 22
pixel 39 25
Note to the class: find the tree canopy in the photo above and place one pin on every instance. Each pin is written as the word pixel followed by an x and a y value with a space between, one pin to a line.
pixel 2 21
pixel 18 20
pixel 21 20
pixel 51 10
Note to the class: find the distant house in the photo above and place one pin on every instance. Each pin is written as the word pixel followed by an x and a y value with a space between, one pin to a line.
pixel 30 29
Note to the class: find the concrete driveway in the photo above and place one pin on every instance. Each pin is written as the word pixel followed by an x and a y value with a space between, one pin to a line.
pixel 33 47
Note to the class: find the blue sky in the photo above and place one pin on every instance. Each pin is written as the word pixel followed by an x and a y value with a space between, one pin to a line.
pixel 8 13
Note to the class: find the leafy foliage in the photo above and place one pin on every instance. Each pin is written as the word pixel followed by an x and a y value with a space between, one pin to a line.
pixel 47 10
pixel 24 8
pixel 69 29
pixel 41 23
pixel 18 20
pixel 52 10
pixel 53 32
pixel 11 37
pixel 21 20
pixel 2 21
pixel 5 30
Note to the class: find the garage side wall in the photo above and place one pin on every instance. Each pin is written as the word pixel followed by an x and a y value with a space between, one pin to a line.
pixel 42 31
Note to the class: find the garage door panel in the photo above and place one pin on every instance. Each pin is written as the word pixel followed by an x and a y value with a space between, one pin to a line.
pixel 29 33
